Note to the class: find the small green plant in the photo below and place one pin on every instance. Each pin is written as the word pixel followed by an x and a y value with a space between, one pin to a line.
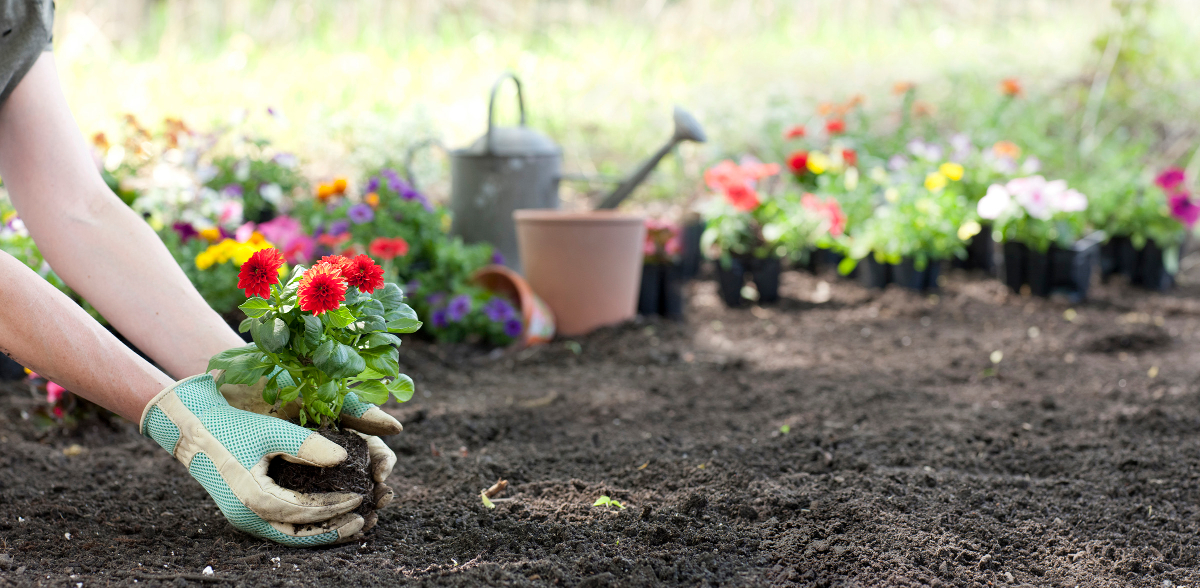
pixel 606 501
pixel 785 429
pixel 329 329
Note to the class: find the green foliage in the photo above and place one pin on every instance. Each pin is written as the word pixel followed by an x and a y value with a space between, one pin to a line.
pixel 606 501
pixel 351 349
pixel 260 177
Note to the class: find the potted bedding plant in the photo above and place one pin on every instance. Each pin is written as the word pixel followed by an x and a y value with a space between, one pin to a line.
pixel 742 231
pixel 915 228
pixel 324 342
pixel 661 291
pixel 1147 227
pixel 1041 224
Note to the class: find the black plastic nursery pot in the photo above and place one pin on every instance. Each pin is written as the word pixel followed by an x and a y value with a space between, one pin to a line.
pixel 1067 270
pixel 1142 267
pixel 661 291
pixel 1118 256
pixel 908 276
pixel 872 274
pixel 981 253
pixel 1151 272
pixel 732 278
pixel 691 257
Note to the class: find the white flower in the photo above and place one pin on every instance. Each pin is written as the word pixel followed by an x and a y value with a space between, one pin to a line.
pixel 1071 201
pixel 1031 165
pixel 996 202
pixel 1035 195
pixel 272 193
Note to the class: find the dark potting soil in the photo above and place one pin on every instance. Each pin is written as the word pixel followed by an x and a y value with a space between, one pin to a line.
pixel 841 437
pixel 352 475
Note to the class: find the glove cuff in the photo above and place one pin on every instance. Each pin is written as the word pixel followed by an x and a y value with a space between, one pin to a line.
pixel 158 398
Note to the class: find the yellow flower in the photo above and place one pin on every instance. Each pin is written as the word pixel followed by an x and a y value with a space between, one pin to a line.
pixel 891 195
pixel 968 229
pixel 9 216
pixel 935 182
pixel 223 250
pixel 818 162
pixel 953 171
pixel 211 234
pixel 241 253
pixel 256 239
pixel 205 259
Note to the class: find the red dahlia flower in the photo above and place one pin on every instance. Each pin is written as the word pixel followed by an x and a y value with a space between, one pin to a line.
pixel 835 126
pixel 322 288
pixel 260 271
pixel 794 132
pixel 364 274
pixel 339 261
pixel 385 248
pixel 798 162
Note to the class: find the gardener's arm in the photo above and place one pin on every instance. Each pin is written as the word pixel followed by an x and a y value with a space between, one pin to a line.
pixel 43 329
pixel 99 246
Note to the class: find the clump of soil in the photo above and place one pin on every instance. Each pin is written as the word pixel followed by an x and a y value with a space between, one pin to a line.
pixel 1142 338
pixel 352 475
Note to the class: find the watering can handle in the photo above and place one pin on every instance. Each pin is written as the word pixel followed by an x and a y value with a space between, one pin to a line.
pixel 492 104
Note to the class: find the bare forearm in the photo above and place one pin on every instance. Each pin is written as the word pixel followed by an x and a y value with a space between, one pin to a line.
pixel 94 242
pixel 46 331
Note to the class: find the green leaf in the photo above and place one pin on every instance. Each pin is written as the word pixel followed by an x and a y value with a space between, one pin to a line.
pixel 338 319
pixel 248 369
pixel 487 503
pixel 384 360
pixel 255 307
pixel 369 324
pixel 289 393
pixel 390 295
pixel 402 319
pixel 401 388
pixel 338 360
pixel 372 307
pixel 369 374
pixel 354 296
pixel 245 326
pixel 272 335
pixel 225 358
pixel 372 391
pixel 381 339
pixel 327 392
pixel 312 330
pixel 270 392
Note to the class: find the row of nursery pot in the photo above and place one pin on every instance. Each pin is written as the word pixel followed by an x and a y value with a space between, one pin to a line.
pixel 897 217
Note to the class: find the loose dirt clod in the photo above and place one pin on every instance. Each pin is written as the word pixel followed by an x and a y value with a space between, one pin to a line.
pixel 352 475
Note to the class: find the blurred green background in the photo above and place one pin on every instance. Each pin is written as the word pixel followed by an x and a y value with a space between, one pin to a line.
pixel 359 80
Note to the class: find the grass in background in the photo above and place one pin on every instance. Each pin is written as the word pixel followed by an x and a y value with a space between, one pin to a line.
pixel 359 80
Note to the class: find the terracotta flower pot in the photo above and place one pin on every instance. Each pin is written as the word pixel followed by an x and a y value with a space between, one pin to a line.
pixel 539 322
pixel 586 265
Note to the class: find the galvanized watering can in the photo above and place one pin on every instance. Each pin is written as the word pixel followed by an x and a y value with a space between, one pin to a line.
pixel 511 168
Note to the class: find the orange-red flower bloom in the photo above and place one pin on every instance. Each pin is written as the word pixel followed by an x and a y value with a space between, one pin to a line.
pixel 363 273
pixel 798 162
pixel 260 271
pixel 339 261
pixel 835 126
pixel 322 288
pixel 1010 87
pixel 742 197
pixel 850 156
pixel 828 208
pixel 794 132
pixel 1006 149
pixel 388 248
pixel 903 87
pixel 332 241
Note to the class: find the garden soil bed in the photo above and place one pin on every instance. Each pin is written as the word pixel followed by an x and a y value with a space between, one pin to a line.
pixel 909 458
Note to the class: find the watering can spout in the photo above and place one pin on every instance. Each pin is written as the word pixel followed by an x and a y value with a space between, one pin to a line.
pixel 686 129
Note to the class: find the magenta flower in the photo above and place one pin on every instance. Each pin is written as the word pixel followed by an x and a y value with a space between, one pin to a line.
pixel 1184 209
pixel 1170 179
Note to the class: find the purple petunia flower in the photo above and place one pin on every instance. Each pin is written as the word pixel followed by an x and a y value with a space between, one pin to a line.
pixel 498 310
pixel 232 191
pixel 361 213
pixel 411 287
pixel 497 258
pixel 458 308
pixel 435 299
pixel 1184 209
pixel 513 328
pixel 373 184
pixel 186 231
pixel 439 318
pixel 286 160
pixel 338 227
pixel 1170 179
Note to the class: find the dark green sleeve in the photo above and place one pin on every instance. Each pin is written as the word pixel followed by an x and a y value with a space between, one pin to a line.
pixel 25 33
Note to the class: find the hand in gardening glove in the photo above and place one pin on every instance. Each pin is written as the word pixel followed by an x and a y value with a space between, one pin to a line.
pixel 227 450
pixel 368 420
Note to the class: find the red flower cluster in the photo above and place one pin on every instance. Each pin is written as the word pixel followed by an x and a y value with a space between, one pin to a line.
pixel 259 272
pixel 835 126
pixel 850 156
pixel 360 271
pixel 828 208
pixel 736 182
pixel 798 162
pixel 794 132
pixel 322 288
pixel 388 248
pixel 1011 87
pixel 332 241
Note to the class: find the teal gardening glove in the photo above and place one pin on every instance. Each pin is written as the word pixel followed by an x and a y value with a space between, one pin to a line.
pixel 228 450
